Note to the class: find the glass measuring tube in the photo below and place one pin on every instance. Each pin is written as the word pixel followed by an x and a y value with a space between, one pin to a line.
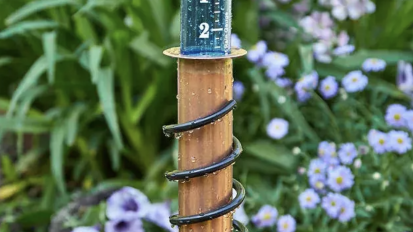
pixel 206 27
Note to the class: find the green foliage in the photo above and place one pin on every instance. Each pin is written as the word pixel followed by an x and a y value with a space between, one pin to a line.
pixel 85 90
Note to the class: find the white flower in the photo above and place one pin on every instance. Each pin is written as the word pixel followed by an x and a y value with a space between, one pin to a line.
pixel 355 81
pixel 277 128
pixel 374 65
pixel 339 12
pixel 376 176
pixel 276 59
pixel 357 163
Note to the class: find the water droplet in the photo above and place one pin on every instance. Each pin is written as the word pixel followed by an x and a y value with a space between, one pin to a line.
pixel 193 159
pixel 209 91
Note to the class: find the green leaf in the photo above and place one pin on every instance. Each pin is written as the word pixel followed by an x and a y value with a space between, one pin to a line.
pixel 7 191
pixel 27 99
pixel 283 19
pixel 5 61
pixel 36 217
pixel 56 149
pixel 114 155
pixel 144 103
pixel 26 125
pixel 307 60
pixel 95 57
pixel 387 88
pixel 143 46
pixel 29 80
pixel 49 47
pixel 36 6
pixel 275 154
pixel 8 168
pixel 106 94
pixel 73 123
pixel 356 60
pixel 23 27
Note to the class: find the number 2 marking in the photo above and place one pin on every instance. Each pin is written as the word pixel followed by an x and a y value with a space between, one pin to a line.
pixel 205 30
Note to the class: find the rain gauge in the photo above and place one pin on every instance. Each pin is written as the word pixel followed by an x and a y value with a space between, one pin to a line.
pixel 206 27
pixel 207 149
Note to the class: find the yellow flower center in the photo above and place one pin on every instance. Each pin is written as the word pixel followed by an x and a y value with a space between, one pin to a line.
pixel 277 127
pixel 339 180
pixel 308 199
pixel 327 87
pixel 285 225
pixel 267 216
pixel 319 185
pixel 348 154
pixel 355 79
pixel 400 140
pixel 381 141
pixel 397 117
pixel 317 170
pixel 321 152
pixel 333 203
pixel 374 61
pixel 342 210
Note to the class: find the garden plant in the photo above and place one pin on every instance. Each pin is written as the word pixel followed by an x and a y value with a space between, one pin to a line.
pixel 325 115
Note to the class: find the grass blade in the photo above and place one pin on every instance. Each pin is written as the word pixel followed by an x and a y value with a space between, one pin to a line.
pixel 95 57
pixel 49 47
pixel 56 156
pixel 106 94
pixel 72 123
pixel 23 27
pixel 36 6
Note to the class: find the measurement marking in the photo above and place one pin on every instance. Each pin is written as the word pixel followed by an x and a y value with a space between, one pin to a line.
pixel 217 12
pixel 217 21
pixel 216 3
pixel 217 38
pixel 217 29
pixel 217 47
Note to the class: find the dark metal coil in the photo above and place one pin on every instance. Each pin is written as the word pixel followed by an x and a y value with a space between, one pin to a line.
pixel 188 174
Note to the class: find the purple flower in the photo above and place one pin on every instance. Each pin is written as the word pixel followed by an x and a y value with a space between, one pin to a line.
pixel 283 82
pixel 394 115
pixel 127 202
pixel 235 41
pixel 309 199
pixel 374 65
pixel 266 217
pixel 305 86
pixel 329 87
pixel 347 153
pixel 319 25
pixel 286 223
pixel 257 52
pixel 331 204
pixel 238 90
pixel 355 81
pixel 400 141
pixel 85 229
pixel 379 141
pixel 274 71
pixel 317 167
pixel 159 214
pixel 277 128
pixel 327 152
pixel 344 50
pixel 346 211
pixel 408 119
pixel 275 59
pixel 405 77
pixel 318 182
pixel 127 223
pixel 340 178
pixel 343 38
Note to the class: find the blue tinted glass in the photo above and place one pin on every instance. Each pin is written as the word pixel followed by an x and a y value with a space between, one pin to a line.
pixel 205 27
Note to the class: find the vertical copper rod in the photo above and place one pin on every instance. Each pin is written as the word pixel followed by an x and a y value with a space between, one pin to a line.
pixel 205 86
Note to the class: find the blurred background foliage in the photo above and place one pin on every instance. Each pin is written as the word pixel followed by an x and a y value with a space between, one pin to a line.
pixel 85 90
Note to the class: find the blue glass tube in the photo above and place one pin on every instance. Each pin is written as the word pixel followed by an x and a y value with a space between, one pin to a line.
pixel 206 27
